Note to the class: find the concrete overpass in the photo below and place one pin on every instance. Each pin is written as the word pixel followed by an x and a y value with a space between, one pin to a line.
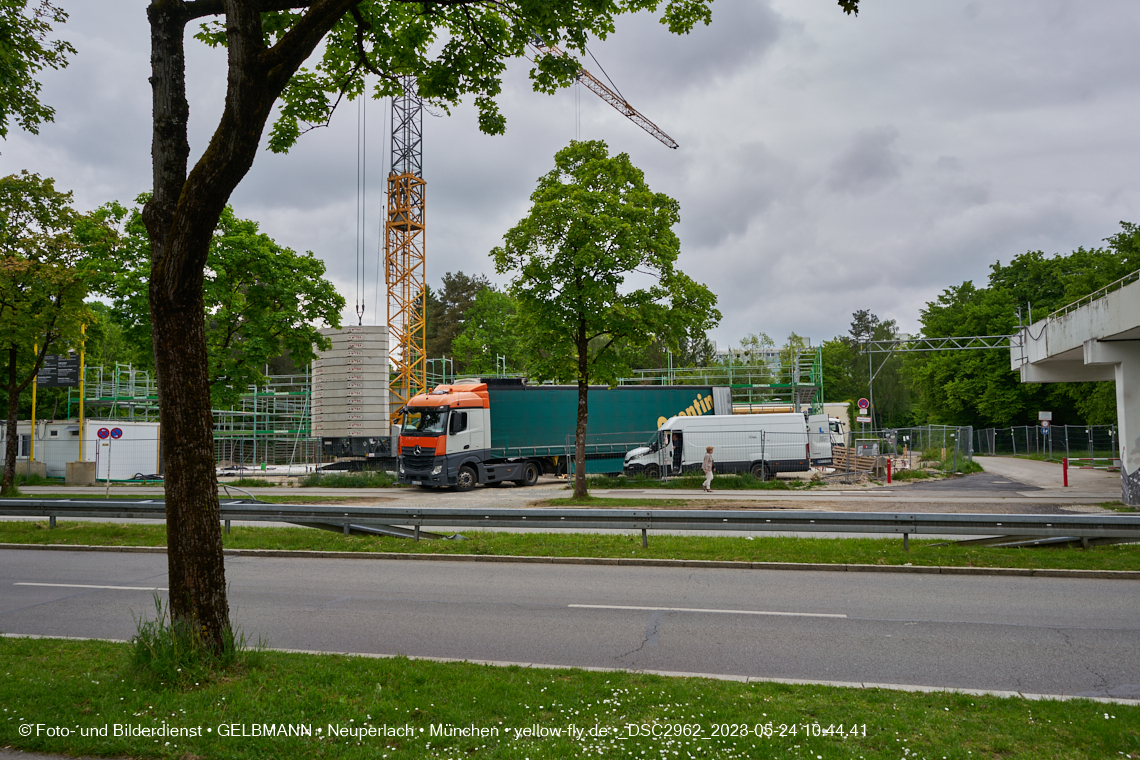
pixel 1095 338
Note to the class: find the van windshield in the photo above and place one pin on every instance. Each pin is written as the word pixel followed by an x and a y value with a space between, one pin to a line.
pixel 425 422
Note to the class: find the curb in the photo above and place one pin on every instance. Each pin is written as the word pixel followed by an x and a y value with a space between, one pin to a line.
pixel 1130 575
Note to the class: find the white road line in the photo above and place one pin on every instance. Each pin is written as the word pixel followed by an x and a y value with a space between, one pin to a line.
pixel 83 585
pixel 722 612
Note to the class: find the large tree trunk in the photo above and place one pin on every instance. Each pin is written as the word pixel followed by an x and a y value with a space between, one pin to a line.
pixel 195 564
pixel 580 491
pixel 11 439
pixel 180 219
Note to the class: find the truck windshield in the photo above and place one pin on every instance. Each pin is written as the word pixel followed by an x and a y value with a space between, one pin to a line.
pixel 425 422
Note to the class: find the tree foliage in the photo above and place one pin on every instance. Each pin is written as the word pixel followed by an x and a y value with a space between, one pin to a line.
pixel 977 387
pixel 447 311
pixel 490 331
pixel 42 287
pixel 262 300
pixel 847 371
pixel 594 233
pixel 25 50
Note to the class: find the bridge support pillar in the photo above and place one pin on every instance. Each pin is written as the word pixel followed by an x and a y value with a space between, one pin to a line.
pixel 1124 356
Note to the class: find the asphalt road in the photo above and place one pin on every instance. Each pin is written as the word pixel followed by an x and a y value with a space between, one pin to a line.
pixel 1035 635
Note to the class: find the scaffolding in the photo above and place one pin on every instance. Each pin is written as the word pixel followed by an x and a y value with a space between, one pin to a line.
pixel 270 424
pixel 794 379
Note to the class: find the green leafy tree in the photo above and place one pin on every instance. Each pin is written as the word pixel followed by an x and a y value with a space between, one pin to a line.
pixel 42 287
pixel 262 300
pixel 593 224
pixel 977 387
pixel 490 330
pixel 447 317
pixel 847 371
pixel 452 50
pixel 693 349
pixel 25 50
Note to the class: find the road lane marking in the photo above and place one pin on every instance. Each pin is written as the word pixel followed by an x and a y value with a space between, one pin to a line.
pixel 721 612
pixel 83 585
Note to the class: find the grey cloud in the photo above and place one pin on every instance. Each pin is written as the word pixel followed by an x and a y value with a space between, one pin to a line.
pixel 868 164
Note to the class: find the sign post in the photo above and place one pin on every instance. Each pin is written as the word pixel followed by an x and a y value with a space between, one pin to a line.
pixel 35 382
pixel 864 415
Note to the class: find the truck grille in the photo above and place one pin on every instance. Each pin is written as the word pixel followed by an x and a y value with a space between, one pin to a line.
pixel 420 462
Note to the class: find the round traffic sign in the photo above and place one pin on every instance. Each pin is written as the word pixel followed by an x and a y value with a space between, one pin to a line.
pixel 116 432
pixel 864 403
pixel 103 432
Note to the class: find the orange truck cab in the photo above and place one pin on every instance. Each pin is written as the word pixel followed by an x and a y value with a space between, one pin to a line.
pixel 445 441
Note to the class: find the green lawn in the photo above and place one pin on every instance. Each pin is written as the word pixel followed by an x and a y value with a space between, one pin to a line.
pixel 88 688
pixel 865 551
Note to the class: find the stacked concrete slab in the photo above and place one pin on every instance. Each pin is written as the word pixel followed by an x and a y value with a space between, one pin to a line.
pixel 350 383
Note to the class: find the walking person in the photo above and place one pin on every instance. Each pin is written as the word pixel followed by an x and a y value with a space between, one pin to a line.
pixel 707 466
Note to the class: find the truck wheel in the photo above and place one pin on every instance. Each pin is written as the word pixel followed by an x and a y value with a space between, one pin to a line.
pixel 466 479
pixel 530 475
pixel 652 472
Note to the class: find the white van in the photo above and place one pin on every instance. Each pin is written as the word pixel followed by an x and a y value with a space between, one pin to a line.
pixel 762 444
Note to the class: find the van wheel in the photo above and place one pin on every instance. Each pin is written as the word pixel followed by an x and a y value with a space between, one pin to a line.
pixel 652 472
pixel 530 475
pixel 759 471
pixel 466 479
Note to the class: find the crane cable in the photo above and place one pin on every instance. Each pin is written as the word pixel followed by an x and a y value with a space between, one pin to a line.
pixel 361 178
pixel 382 217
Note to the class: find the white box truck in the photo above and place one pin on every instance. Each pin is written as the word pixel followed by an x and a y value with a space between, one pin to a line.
pixel 762 444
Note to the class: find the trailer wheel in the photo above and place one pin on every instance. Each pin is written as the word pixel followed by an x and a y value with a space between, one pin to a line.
pixel 530 475
pixel 466 479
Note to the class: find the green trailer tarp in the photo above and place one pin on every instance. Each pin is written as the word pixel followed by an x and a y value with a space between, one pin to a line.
pixel 535 420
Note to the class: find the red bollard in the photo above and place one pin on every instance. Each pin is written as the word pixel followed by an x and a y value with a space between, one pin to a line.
pixel 1065 469
pixel 888 471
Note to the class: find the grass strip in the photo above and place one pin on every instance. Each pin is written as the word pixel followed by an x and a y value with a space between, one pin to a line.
pixel 761 548
pixel 267 498
pixel 333 701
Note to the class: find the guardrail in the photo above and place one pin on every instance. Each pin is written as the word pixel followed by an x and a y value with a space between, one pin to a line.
pixel 1125 280
pixel 386 519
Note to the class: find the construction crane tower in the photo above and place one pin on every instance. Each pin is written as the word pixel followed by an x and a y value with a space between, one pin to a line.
pixel 404 251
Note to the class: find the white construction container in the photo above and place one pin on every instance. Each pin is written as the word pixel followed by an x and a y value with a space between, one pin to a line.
pixel 120 449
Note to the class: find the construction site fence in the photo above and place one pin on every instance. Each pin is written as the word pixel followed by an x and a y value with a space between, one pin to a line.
pixel 929 441
pixel 1096 442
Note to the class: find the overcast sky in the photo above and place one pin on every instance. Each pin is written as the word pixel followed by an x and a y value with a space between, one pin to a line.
pixel 827 163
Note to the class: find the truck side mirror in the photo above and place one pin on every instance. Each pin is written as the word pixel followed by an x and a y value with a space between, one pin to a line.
pixel 458 422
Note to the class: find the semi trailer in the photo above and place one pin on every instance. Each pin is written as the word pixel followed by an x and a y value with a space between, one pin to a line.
pixel 762 444
pixel 496 430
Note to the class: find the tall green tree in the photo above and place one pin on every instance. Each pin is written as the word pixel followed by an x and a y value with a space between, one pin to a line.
pixel 42 287
pixel 453 50
pixel 262 300
pixel 490 330
pixel 593 224
pixel 26 49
